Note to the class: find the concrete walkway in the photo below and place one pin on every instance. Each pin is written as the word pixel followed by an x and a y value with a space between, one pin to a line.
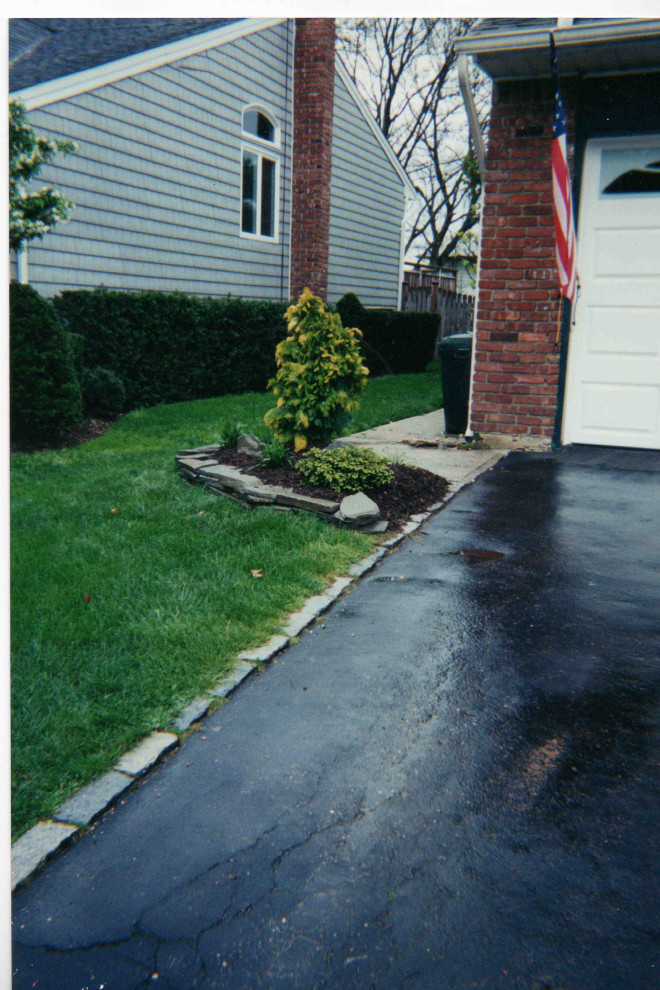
pixel 459 467
pixel 449 782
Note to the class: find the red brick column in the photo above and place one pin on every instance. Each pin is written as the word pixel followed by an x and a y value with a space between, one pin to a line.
pixel 516 363
pixel 313 92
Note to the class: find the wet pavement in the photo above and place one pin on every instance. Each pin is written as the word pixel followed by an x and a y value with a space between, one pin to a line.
pixel 451 782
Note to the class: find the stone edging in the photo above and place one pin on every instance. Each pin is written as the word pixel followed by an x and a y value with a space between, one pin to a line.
pixel 199 466
pixel 44 839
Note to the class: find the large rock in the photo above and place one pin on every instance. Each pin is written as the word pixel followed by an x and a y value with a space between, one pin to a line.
pixel 358 510
pixel 249 445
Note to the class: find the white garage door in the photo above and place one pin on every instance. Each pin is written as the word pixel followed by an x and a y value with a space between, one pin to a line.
pixel 613 376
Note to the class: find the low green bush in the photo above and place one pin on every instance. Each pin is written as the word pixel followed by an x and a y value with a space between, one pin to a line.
pixel 275 454
pixel 346 469
pixel 172 347
pixel 393 342
pixel 103 392
pixel 44 391
pixel 230 431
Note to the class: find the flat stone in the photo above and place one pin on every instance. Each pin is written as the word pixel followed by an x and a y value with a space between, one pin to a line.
pixel 392 542
pixel 230 477
pixel 338 585
pixel 209 448
pixel 191 713
pixel 249 445
pixel 267 651
pixel 91 800
pixel 420 516
pixel 285 496
pixel 149 751
pixel 194 463
pixel 260 496
pixel 312 608
pixel 33 848
pixel 380 526
pixel 230 682
pixel 358 509
pixel 410 527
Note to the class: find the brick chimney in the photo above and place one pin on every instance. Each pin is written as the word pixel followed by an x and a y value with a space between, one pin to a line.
pixel 313 92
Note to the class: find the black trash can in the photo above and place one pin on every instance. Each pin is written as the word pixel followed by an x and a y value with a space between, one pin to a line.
pixel 455 354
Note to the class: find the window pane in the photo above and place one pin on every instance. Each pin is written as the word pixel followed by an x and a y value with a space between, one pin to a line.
pixel 267 198
pixel 249 205
pixel 265 129
pixel 255 122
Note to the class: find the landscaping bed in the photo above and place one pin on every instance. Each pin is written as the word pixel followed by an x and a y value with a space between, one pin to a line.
pixel 412 490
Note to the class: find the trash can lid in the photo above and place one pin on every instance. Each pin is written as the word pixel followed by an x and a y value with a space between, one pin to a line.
pixel 457 343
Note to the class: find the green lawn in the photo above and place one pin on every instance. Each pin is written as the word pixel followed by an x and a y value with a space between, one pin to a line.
pixel 119 619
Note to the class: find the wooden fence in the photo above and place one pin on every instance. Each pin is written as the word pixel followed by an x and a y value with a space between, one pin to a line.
pixel 428 291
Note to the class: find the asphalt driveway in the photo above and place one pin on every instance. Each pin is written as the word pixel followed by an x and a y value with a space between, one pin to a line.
pixel 450 782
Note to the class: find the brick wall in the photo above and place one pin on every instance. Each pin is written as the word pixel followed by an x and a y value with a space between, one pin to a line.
pixel 516 361
pixel 313 92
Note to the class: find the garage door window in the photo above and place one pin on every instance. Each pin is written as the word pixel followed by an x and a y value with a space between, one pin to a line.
pixel 631 171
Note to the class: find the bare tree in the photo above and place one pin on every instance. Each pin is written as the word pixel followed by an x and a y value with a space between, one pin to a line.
pixel 406 70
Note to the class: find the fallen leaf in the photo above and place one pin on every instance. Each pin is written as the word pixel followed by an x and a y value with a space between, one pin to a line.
pixel 256 572
pixel 87 598
pixel 113 512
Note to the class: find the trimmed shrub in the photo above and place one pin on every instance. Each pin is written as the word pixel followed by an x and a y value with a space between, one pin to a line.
pixel 346 469
pixel 394 343
pixel 171 347
pixel 44 391
pixel 103 392
pixel 319 375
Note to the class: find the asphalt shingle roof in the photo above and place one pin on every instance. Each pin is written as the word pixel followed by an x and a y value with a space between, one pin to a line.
pixel 46 48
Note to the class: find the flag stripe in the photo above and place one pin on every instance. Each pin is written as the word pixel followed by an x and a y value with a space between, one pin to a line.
pixel 561 193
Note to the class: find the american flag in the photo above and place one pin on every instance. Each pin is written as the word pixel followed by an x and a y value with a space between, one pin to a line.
pixel 561 193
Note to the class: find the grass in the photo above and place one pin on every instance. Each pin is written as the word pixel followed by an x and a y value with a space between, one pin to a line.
pixel 119 618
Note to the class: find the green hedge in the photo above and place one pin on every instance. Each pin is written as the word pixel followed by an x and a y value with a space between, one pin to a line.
pixel 171 347
pixel 393 342
pixel 44 390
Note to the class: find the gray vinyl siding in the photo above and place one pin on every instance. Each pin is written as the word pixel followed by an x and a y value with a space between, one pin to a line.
pixel 156 180
pixel 367 201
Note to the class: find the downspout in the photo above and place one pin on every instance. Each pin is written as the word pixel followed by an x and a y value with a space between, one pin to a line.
pixel 477 140
pixel 288 119
pixel 475 131
pixel 22 264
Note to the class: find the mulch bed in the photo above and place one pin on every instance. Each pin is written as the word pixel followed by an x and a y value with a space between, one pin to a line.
pixel 87 429
pixel 413 489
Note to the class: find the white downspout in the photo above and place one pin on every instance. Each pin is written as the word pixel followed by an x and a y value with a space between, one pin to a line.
pixel 22 264
pixel 471 110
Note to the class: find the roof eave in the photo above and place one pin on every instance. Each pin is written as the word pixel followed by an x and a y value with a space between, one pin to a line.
pixel 64 87
pixel 567 38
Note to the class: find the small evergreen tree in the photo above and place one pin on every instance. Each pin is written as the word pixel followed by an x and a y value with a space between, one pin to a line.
pixel 44 390
pixel 32 214
pixel 319 377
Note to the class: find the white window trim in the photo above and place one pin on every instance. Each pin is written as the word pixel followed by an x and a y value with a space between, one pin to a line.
pixel 272 117
pixel 259 149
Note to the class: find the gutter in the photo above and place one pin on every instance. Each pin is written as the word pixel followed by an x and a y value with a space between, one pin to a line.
pixel 565 35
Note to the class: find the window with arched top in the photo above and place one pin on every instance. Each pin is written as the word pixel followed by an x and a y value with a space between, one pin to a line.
pixel 260 171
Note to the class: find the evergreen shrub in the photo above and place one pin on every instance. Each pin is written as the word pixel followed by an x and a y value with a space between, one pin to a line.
pixel 394 342
pixel 103 392
pixel 346 469
pixel 319 377
pixel 172 347
pixel 44 391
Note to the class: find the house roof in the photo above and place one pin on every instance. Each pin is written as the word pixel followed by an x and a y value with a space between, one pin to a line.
pixel 517 48
pixel 47 48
